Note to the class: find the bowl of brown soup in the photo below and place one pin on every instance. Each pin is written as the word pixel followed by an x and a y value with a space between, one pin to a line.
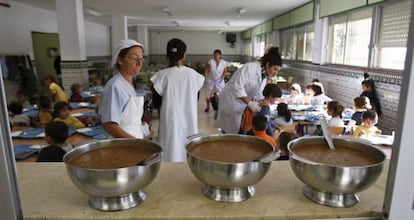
pixel 334 177
pixel 114 172
pixel 228 164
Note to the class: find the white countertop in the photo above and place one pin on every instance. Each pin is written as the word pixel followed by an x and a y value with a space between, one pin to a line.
pixel 46 192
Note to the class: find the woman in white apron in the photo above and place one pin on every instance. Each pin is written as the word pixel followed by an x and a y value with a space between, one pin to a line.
pixel 178 86
pixel 215 72
pixel 120 108
pixel 246 84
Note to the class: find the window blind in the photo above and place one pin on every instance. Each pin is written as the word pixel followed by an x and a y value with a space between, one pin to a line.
pixel 394 22
pixel 330 7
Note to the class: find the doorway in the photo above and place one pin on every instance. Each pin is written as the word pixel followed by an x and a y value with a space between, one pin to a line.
pixel 45 50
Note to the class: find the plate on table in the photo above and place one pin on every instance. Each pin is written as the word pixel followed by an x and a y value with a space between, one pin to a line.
pixel 94 132
pixel 23 151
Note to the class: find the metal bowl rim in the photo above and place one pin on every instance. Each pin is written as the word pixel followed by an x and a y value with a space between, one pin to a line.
pixel 190 141
pixel 304 160
pixel 105 141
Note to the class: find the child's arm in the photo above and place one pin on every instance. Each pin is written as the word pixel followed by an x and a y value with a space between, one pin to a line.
pixel 75 122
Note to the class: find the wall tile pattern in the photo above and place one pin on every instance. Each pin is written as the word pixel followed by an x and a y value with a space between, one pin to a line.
pixel 344 85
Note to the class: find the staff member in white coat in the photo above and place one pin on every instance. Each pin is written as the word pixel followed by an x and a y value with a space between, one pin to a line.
pixel 178 86
pixel 120 108
pixel 215 72
pixel 245 84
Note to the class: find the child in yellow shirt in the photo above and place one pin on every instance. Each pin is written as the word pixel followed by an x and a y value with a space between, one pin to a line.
pixel 369 120
pixel 61 111
pixel 45 110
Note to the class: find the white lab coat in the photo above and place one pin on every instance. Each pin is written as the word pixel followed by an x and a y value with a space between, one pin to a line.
pixel 246 81
pixel 121 105
pixel 178 87
pixel 214 81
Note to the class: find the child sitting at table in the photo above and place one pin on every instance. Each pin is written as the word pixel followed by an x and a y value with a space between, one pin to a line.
pixel 96 87
pixel 271 92
pixel 361 104
pixel 76 89
pixel 45 110
pixel 56 133
pixel 16 114
pixel 61 112
pixel 283 140
pixel 283 116
pixel 318 98
pixel 259 129
pixel 22 98
pixel 295 95
pixel 334 109
pixel 367 128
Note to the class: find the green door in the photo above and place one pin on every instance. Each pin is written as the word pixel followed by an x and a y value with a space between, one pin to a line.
pixel 45 48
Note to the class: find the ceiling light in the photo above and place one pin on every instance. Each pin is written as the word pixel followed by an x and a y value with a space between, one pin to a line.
pixel 240 12
pixel 168 11
pixel 93 12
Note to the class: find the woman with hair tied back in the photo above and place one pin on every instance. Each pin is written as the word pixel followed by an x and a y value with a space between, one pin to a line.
pixel 246 84
pixel 178 86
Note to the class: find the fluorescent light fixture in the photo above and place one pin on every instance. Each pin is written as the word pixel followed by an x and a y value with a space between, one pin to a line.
pixel 168 11
pixel 93 12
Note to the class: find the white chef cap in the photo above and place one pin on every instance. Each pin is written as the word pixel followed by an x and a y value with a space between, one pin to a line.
pixel 122 45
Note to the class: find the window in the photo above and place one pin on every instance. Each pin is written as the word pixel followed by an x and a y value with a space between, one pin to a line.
pixel 304 42
pixel 349 37
pixel 247 48
pixel 392 38
pixel 287 43
pixel 259 45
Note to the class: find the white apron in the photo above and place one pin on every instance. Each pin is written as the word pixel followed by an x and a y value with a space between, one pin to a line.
pixel 214 81
pixel 131 116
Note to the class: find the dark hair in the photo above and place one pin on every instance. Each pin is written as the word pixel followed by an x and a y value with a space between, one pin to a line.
pixel 336 108
pixel 59 106
pixel 124 52
pixel 75 87
pixel 370 83
pixel 282 110
pixel 271 57
pixel 362 102
pixel 16 108
pixel 315 80
pixel 22 92
pixel 259 122
pixel 283 140
pixel 58 131
pixel 317 89
pixel 45 102
pixel 369 114
pixel 175 51
pixel 49 77
pixel 217 51
pixel 272 90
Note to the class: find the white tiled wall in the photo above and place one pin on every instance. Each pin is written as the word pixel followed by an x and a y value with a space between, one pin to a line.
pixel 344 85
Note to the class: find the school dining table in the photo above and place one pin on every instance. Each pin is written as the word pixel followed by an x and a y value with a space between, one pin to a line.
pixel 75 139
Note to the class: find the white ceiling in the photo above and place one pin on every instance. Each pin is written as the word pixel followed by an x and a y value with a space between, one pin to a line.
pixel 209 15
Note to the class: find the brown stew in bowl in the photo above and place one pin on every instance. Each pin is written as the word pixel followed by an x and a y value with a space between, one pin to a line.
pixel 228 151
pixel 111 157
pixel 341 156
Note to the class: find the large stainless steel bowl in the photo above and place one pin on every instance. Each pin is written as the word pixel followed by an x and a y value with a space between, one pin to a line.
pixel 119 188
pixel 227 182
pixel 330 185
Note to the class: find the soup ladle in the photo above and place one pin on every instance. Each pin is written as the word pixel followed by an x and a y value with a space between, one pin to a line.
pixel 326 133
